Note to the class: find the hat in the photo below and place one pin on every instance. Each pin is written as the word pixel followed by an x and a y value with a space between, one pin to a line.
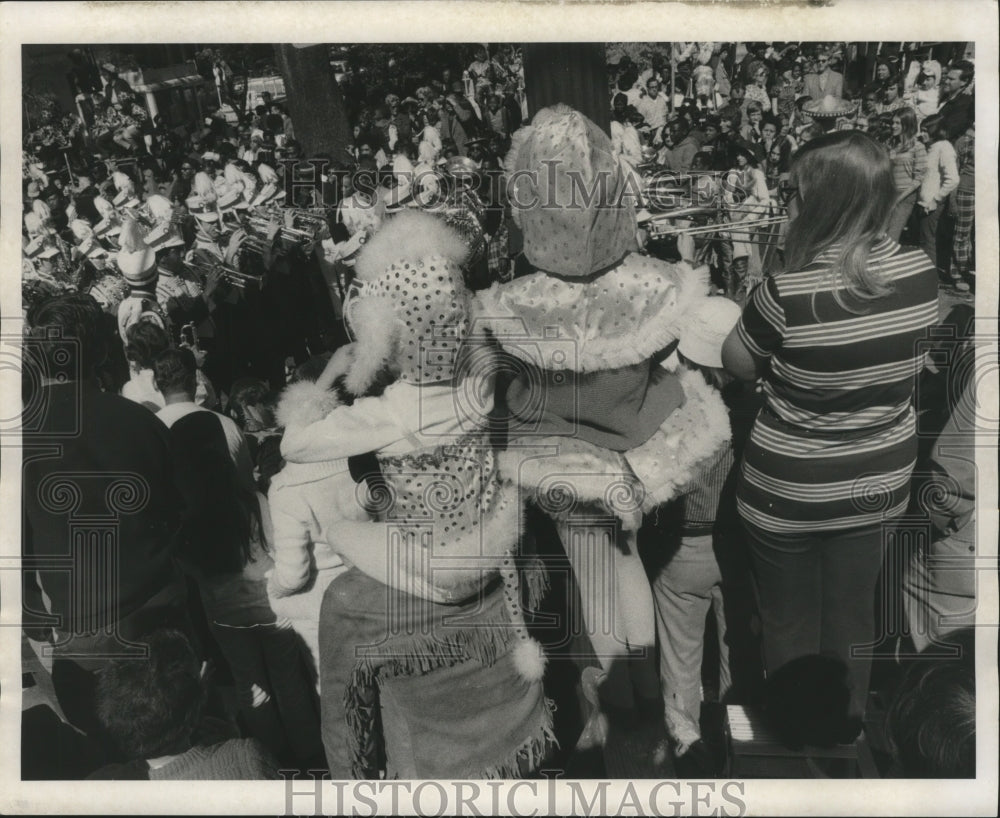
pixel 164 233
pixel 200 209
pixel 108 226
pixel 39 248
pixel 547 163
pixel 707 324
pixel 229 198
pixel 753 152
pixel 829 108
pixel 136 261
pixel 411 306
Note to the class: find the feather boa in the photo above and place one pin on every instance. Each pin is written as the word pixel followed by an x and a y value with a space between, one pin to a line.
pixel 304 403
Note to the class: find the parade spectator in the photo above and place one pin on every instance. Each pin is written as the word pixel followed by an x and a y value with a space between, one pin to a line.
pixel 816 554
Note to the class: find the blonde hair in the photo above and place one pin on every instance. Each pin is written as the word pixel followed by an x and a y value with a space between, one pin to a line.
pixel 846 197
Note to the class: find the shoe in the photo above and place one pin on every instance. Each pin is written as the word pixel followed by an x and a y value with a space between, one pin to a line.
pixel 960 284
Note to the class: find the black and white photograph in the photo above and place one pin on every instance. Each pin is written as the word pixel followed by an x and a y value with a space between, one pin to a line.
pixel 499 408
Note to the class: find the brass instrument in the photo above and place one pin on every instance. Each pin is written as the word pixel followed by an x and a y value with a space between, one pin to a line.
pixel 297 227
pixel 204 269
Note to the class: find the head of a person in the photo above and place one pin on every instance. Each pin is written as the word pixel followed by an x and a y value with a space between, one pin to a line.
pixel 934 129
pixel 769 129
pixel 678 129
pixel 737 93
pixel 760 75
pixel 883 71
pixel 755 112
pixel 890 92
pixel 561 234
pixel 745 156
pixel 822 61
pixel 711 129
pixel 67 336
pixel 251 405
pixel 653 87
pixel 151 707
pixel 144 341
pixel 619 105
pixel 705 328
pixel 844 193
pixel 931 720
pixel 904 124
pixel 958 77
pixel 628 79
pixel 175 373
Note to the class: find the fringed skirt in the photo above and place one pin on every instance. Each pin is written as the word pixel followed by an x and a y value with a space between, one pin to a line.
pixel 417 689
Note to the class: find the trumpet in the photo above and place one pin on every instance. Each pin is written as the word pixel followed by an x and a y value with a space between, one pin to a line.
pixel 204 269
pixel 296 227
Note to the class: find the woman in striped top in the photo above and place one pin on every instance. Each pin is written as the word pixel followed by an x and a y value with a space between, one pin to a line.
pixel 828 464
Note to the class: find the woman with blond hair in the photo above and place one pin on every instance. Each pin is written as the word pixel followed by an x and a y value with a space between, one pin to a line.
pixel 909 165
pixel 828 463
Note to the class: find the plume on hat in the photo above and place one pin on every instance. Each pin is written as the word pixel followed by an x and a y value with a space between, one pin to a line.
pixel 130 240
pixel 160 208
pixel 203 186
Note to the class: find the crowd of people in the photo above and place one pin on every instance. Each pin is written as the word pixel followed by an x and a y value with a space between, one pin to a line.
pixel 352 423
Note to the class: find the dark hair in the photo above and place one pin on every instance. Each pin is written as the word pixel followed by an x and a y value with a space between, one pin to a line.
pixel 931 721
pixel 967 69
pixel 144 340
pixel 151 707
pixel 217 514
pixel 251 392
pixel 935 127
pixel 174 370
pixel 80 344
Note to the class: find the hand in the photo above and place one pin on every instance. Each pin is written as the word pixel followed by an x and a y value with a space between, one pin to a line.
pixel 198 352
pixel 685 246
pixel 212 280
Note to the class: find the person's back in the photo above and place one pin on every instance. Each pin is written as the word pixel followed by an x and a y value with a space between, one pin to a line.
pixel 96 453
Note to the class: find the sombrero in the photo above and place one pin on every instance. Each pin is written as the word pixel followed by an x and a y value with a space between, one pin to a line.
pixel 830 108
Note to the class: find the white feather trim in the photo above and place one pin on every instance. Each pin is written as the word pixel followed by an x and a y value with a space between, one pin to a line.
pixel 669 460
pixel 376 330
pixel 303 403
pixel 529 659
pixel 409 237
pixel 623 318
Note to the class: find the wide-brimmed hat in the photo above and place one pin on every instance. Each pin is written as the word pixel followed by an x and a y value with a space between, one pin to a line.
pixel 829 108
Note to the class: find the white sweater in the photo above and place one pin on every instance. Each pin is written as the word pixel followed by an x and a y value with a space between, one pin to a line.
pixel 941 177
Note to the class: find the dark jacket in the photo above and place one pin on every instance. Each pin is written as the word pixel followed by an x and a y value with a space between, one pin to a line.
pixel 96 478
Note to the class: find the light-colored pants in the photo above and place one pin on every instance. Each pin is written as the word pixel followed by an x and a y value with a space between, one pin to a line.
pixel 684 591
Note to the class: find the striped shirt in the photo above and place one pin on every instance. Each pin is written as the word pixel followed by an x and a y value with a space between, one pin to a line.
pixel 834 445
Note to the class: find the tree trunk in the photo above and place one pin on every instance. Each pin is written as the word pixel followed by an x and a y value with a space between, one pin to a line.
pixel 573 73
pixel 314 100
